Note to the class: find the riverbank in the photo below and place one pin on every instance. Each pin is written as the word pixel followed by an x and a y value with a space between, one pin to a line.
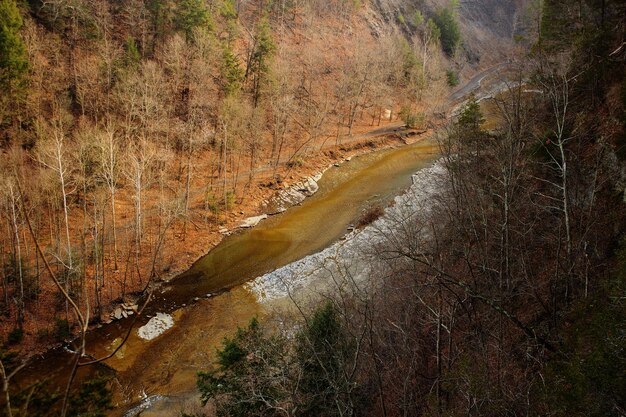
pixel 348 263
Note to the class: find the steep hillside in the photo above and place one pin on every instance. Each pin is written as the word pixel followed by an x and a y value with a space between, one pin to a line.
pixel 488 27
pixel 134 131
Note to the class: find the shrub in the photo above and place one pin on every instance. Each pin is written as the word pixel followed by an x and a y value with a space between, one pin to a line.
pixel 61 329
pixel 295 163
pixel 15 336
pixel 452 78
pixel 229 200
pixel 43 335
pixel 370 215
pixel 411 119
pixel 216 204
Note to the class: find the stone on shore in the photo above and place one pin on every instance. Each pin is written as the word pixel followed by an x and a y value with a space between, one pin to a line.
pixel 156 326
pixel 252 221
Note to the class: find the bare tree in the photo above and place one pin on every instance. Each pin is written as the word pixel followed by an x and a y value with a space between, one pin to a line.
pixel 109 156
pixel 138 171
pixel 52 154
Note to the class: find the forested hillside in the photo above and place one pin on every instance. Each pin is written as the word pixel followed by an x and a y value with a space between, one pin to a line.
pixel 506 295
pixel 133 131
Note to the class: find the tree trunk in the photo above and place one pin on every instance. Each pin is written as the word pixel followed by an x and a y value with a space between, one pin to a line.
pixel 18 259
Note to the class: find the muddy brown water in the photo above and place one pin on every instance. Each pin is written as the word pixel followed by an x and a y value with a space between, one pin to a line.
pixel 165 368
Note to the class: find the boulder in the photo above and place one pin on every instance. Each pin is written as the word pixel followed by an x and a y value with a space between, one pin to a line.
pixel 156 326
pixel 308 187
pixel 252 221
pixel 293 195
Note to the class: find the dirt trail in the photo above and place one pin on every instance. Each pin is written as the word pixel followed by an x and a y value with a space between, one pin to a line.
pixel 475 82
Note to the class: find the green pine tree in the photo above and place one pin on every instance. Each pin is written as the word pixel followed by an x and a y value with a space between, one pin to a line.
pixel 228 11
pixel 555 30
pixel 132 55
pixel 324 352
pixel 232 74
pixel 471 118
pixel 251 372
pixel 161 17
pixel 260 63
pixel 191 15
pixel 13 59
pixel 450 33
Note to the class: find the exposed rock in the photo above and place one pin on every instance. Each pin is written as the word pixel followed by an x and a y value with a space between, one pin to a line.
pixel 308 187
pixel 130 307
pixel 351 257
pixel 293 195
pixel 156 326
pixel 252 221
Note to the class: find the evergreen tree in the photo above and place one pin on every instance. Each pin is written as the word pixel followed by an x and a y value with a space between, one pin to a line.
pixel 450 33
pixel 252 375
pixel 161 18
pixel 132 55
pixel 467 133
pixel 190 15
pixel 324 351
pixel 555 29
pixel 410 63
pixel 471 118
pixel 232 74
pixel 13 59
pixel 418 18
pixel 452 77
pixel 228 11
pixel 259 67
